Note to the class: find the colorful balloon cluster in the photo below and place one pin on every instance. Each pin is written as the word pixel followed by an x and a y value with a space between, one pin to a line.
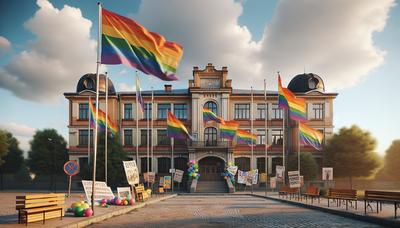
pixel 80 209
pixel 117 201
pixel 227 175
pixel 193 170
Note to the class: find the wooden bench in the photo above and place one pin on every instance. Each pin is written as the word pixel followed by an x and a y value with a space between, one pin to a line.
pixel 287 191
pixel 343 195
pixel 312 192
pixel 379 197
pixel 39 207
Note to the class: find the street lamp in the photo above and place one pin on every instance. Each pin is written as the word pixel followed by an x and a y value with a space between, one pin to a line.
pixel 53 182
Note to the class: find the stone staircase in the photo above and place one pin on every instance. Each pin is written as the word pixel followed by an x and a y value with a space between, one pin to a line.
pixel 212 187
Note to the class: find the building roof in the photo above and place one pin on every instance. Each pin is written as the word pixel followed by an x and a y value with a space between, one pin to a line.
pixel 88 82
pixel 304 83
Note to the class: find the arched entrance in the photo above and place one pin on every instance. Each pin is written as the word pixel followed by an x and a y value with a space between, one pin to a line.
pixel 210 169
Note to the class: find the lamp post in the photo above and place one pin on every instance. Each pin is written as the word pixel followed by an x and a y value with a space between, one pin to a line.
pixel 53 182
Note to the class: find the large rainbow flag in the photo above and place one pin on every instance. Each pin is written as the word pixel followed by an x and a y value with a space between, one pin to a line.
pixel 228 129
pixel 310 136
pixel 245 137
pixel 101 120
pixel 123 41
pixel 287 100
pixel 176 129
pixel 209 115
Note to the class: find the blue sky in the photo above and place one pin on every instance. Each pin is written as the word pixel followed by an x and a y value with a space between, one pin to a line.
pixel 354 47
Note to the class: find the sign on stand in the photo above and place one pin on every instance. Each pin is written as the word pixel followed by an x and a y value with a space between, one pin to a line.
pixel 263 178
pixel 294 179
pixel 280 172
pixel 242 176
pixel 71 168
pixel 124 192
pixel 149 177
pixel 131 172
pixel 272 182
pixel 102 191
pixel 167 182
pixel 327 173
pixel 178 175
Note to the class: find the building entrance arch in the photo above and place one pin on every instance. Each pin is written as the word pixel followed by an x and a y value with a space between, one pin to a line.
pixel 211 168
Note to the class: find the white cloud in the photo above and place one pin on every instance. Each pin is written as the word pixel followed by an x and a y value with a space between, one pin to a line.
pixel 125 87
pixel 5 45
pixel 53 63
pixel 21 132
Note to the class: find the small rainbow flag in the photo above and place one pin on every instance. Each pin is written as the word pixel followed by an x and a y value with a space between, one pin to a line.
pixel 245 137
pixel 228 129
pixel 287 100
pixel 209 115
pixel 310 136
pixel 101 120
pixel 123 41
pixel 176 129
pixel 139 94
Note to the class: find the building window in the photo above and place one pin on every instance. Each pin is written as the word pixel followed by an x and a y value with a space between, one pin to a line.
pixel 260 136
pixel 210 136
pixel 164 164
pixel 162 110
pixel 143 137
pixel 147 111
pixel 128 111
pixel 261 165
pixel 318 111
pixel 180 111
pixel 277 137
pixel 84 137
pixel 276 112
pixel 242 111
pixel 128 137
pixel 243 163
pixel 212 106
pixel 181 163
pixel 261 111
pixel 84 111
pixel 143 163
pixel 162 138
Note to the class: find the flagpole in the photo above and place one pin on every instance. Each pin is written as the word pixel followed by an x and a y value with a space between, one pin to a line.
pixel 97 105
pixel 106 134
pixel 298 153
pixel 266 135
pixel 88 153
pixel 137 124
pixel 172 162
pixel 148 142
pixel 252 141
pixel 283 145
pixel 152 126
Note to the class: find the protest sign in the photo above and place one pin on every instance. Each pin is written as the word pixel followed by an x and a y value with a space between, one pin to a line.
pixel 294 179
pixel 327 173
pixel 178 175
pixel 102 190
pixel 280 172
pixel 131 172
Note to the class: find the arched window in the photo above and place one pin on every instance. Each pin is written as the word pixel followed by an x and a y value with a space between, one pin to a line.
pixel 210 136
pixel 212 106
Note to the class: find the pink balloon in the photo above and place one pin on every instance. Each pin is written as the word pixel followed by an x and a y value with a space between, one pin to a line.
pixel 132 202
pixel 88 212
pixel 118 201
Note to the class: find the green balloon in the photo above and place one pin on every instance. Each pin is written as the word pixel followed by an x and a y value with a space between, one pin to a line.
pixel 79 211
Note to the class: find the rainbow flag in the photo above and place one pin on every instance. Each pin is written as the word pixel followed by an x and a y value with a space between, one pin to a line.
pixel 287 100
pixel 228 129
pixel 176 129
pixel 208 115
pixel 123 41
pixel 245 137
pixel 101 120
pixel 310 136
pixel 139 94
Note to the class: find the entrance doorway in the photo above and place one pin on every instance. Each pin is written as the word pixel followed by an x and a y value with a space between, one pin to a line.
pixel 211 168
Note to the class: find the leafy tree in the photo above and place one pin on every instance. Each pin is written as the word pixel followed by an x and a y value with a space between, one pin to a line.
pixel 351 153
pixel 115 155
pixel 14 160
pixel 48 153
pixel 3 146
pixel 308 165
pixel 391 169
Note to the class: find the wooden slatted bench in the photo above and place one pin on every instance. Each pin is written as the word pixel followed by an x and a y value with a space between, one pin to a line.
pixel 312 192
pixel 380 197
pixel 284 190
pixel 343 195
pixel 287 191
pixel 39 207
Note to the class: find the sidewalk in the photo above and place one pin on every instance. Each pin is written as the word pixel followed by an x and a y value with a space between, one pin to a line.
pixel 9 216
pixel 384 217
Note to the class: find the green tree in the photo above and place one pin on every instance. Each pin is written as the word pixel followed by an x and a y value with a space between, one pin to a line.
pixel 48 153
pixel 115 154
pixel 3 145
pixel 308 165
pixel 351 153
pixel 391 169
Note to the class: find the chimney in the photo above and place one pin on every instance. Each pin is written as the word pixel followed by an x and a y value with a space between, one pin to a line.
pixel 168 88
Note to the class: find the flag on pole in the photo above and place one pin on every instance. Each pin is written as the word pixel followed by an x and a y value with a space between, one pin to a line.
pixel 101 120
pixel 209 115
pixel 176 129
pixel 228 129
pixel 245 137
pixel 310 136
pixel 296 106
pixel 124 41
pixel 139 94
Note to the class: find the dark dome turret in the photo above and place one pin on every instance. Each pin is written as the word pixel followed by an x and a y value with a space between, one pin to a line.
pixel 88 82
pixel 303 83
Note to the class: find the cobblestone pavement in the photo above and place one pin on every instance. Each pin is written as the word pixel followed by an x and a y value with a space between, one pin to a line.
pixel 228 211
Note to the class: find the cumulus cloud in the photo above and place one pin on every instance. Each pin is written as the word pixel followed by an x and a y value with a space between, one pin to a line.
pixel 125 87
pixel 5 45
pixel 21 132
pixel 53 63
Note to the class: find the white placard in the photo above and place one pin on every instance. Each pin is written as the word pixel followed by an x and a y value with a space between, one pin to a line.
pixel 327 173
pixel 149 177
pixel 280 172
pixel 272 182
pixel 131 172
pixel 241 177
pixel 232 170
pixel 294 179
pixel 124 192
pixel 253 175
pixel 178 175
pixel 102 191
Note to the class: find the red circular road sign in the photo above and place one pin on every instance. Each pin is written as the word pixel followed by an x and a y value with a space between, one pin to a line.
pixel 71 168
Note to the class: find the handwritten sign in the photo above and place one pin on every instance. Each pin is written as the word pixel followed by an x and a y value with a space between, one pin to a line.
pixel 102 190
pixel 178 175
pixel 280 172
pixel 294 179
pixel 149 177
pixel 131 172
pixel 242 176
pixel 232 170
pixel 272 182
pixel 327 173
pixel 124 192
pixel 167 182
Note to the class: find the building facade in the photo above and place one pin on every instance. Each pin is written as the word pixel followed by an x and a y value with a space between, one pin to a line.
pixel 210 88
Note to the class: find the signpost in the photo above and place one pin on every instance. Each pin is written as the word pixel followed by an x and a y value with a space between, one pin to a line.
pixel 294 179
pixel 71 168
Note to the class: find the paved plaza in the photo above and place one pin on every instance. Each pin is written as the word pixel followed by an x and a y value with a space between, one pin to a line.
pixel 228 211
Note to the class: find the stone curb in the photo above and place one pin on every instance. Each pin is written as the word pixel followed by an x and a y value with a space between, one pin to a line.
pixel 96 219
pixel 348 214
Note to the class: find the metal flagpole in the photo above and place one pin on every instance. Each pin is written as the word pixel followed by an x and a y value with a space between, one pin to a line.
pixel 152 126
pixel 252 142
pixel 298 154
pixel 97 106
pixel 266 135
pixel 172 162
pixel 88 153
pixel 148 143
pixel 137 123
pixel 106 135
pixel 283 145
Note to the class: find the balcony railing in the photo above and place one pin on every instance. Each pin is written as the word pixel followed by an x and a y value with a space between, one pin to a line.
pixel 210 144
